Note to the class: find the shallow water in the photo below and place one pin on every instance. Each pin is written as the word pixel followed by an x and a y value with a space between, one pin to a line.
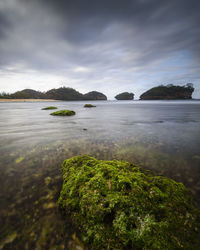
pixel 159 135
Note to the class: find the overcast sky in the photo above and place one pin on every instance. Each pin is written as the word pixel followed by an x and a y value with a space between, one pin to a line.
pixel 110 46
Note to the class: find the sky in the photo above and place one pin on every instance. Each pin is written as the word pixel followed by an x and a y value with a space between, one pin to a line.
pixel 111 46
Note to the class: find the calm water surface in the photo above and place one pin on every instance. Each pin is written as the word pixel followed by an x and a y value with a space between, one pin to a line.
pixel 162 136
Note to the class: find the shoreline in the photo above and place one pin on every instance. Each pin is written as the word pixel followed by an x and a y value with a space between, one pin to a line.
pixel 27 100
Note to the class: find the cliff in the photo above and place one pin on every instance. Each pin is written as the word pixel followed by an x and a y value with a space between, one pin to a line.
pixel 94 95
pixel 125 96
pixel 169 92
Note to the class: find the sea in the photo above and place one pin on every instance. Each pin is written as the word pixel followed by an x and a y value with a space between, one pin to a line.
pixel 161 136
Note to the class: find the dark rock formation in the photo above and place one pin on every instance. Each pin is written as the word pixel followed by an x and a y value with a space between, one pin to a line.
pixel 169 92
pixel 94 95
pixel 117 205
pixel 125 96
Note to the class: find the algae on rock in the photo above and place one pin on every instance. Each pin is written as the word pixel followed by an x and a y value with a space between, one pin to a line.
pixel 117 205
pixel 50 107
pixel 63 113
pixel 89 106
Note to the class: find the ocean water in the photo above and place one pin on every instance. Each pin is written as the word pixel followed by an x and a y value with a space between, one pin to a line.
pixel 163 136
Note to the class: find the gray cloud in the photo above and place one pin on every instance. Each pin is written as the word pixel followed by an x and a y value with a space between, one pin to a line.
pixel 125 44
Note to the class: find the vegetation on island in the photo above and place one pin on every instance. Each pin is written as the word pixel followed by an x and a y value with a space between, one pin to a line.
pixel 94 95
pixel 169 92
pixel 117 205
pixel 63 93
pixel 24 94
pixel 50 107
pixel 5 95
pixel 67 94
pixel 63 113
pixel 89 106
pixel 125 96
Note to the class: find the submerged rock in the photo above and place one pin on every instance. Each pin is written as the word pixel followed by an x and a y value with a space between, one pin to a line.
pixel 64 112
pixel 117 205
pixel 89 106
pixel 50 107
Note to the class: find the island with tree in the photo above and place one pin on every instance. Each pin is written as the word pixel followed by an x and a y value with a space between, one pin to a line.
pixel 169 92
pixel 125 96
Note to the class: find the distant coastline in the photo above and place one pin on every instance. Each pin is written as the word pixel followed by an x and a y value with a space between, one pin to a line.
pixel 27 100
pixel 161 92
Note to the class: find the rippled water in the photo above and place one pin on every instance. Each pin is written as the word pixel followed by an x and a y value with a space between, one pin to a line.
pixel 159 135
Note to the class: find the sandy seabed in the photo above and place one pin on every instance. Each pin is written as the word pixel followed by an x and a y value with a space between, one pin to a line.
pixel 27 100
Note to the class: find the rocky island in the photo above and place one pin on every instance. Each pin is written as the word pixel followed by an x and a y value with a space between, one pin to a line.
pixel 63 93
pixel 125 96
pixel 94 95
pixel 169 92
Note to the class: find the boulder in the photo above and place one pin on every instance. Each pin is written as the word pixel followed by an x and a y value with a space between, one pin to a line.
pixel 117 205
pixel 50 107
pixel 89 106
pixel 63 113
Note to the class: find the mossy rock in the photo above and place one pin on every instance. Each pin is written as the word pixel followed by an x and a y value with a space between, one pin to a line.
pixel 117 205
pixel 50 107
pixel 64 113
pixel 89 106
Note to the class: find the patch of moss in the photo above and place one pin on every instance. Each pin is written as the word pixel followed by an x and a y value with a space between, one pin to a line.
pixel 89 106
pixel 64 113
pixel 50 107
pixel 117 205
pixel 20 159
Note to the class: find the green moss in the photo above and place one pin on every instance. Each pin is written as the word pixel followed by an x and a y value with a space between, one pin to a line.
pixel 64 113
pixel 50 107
pixel 9 239
pixel 117 205
pixel 89 106
pixel 20 159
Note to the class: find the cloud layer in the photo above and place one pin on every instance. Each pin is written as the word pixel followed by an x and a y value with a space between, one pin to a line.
pixel 109 46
